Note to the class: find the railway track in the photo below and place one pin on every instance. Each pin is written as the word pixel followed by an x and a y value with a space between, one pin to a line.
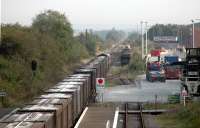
pixel 131 120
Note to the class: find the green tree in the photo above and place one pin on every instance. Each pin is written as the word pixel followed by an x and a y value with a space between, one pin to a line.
pixel 89 40
pixel 115 35
pixel 182 31
pixel 133 38
pixel 56 25
pixel 49 42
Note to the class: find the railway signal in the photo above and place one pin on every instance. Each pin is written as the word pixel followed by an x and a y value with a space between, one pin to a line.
pixel 100 82
pixel 2 95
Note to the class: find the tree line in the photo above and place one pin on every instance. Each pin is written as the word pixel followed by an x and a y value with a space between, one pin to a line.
pixel 183 32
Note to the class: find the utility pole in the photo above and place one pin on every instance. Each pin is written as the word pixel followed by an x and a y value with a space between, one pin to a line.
pixel 138 35
pixel 86 34
pixel 142 39
pixel 192 33
pixel 146 38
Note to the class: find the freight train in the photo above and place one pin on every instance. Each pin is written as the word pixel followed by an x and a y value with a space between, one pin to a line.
pixel 61 105
pixel 125 56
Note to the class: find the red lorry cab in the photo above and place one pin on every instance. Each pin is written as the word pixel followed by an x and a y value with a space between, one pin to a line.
pixel 155 52
pixel 153 63
pixel 172 72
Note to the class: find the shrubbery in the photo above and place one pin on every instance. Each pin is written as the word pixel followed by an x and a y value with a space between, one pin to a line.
pixel 49 42
pixel 136 65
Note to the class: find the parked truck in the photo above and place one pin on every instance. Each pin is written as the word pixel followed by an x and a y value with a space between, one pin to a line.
pixel 154 70
pixel 171 71
pixel 155 75
pixel 155 52
pixel 170 59
pixel 191 71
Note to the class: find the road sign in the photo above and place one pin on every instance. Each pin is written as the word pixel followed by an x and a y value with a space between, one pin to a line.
pixel 100 82
pixel 184 92
pixel 165 38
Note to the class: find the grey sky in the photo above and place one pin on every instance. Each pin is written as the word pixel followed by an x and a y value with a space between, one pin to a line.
pixel 104 14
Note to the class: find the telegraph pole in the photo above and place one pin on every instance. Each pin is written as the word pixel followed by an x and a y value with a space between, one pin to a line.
pixel 138 35
pixel 142 39
pixel 146 38
pixel 192 33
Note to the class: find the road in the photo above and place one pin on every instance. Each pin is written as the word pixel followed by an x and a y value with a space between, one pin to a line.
pixel 141 91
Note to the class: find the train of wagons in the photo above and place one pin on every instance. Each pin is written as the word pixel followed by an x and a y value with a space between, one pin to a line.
pixel 61 105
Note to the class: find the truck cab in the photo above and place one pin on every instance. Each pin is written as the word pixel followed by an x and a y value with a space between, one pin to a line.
pixel 191 71
pixel 172 71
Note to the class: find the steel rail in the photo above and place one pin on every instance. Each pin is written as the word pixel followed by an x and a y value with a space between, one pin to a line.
pixel 126 115
pixel 141 117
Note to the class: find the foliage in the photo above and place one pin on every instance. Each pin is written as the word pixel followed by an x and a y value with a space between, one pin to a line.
pixel 133 38
pixel 184 117
pixel 58 27
pixel 115 36
pixel 182 31
pixel 102 34
pixel 54 24
pixel 50 42
pixel 89 40
pixel 136 64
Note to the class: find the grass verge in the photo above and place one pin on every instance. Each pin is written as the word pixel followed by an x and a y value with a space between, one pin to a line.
pixel 178 116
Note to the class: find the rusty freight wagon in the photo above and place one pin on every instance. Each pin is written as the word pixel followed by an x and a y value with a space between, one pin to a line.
pixel 46 119
pixel 65 104
pixel 75 99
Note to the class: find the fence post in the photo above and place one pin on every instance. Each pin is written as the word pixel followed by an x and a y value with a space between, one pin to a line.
pixel 156 96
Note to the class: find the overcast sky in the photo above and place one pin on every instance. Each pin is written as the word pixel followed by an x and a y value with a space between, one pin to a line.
pixel 104 14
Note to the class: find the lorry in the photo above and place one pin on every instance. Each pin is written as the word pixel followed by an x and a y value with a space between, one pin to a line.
pixel 170 59
pixel 154 70
pixel 155 52
pixel 171 71
pixel 153 62
pixel 155 75
pixel 190 79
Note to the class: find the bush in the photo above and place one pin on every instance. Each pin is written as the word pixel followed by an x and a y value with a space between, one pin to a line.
pixel 54 55
pixel 136 64
pixel 190 115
